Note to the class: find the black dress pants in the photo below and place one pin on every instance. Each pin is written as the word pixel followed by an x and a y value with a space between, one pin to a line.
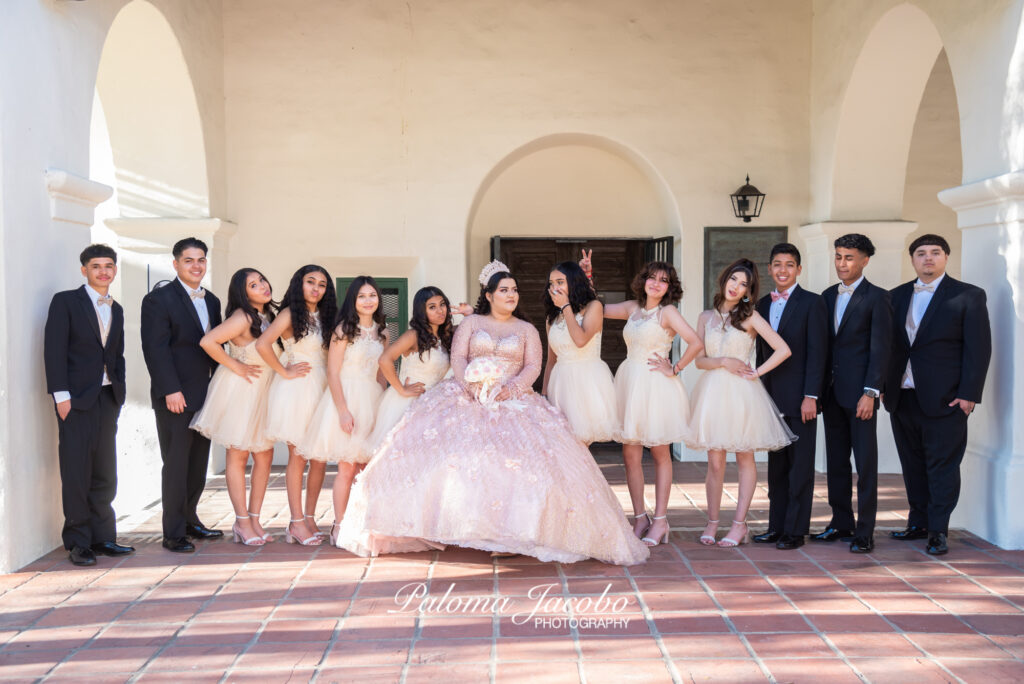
pixel 87 452
pixel 186 455
pixel 844 432
pixel 931 450
pixel 791 480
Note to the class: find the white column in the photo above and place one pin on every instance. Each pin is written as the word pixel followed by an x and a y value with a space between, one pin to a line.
pixel 144 248
pixel 991 215
pixel 889 238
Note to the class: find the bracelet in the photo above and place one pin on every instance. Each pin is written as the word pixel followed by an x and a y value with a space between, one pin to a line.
pixel 563 307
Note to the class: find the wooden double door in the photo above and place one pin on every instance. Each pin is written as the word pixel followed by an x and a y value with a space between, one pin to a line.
pixel 616 262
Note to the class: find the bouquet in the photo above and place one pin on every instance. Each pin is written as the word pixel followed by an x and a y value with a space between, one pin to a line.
pixel 487 372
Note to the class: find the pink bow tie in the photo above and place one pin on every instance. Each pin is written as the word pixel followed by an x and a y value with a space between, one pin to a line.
pixel 846 289
pixel 776 296
pixel 200 294
pixel 923 288
pixel 105 299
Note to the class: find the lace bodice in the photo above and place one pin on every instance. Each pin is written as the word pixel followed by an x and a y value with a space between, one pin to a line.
pixel 723 340
pixel 645 337
pixel 566 349
pixel 246 353
pixel 309 349
pixel 362 354
pixel 429 370
pixel 514 344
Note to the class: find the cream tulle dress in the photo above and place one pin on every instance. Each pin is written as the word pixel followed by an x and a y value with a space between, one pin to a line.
pixel 499 476
pixel 291 403
pixel 325 440
pixel 581 385
pixel 653 407
pixel 234 414
pixel 428 369
pixel 729 412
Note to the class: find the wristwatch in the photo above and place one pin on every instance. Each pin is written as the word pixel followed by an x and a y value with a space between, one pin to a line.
pixel 871 393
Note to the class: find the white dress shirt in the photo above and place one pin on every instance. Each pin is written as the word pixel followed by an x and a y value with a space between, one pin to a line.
pixel 200 304
pixel 777 307
pixel 843 300
pixel 104 314
pixel 919 302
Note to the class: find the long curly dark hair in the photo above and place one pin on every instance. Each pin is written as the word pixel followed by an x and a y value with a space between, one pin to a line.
pixel 348 316
pixel 483 306
pixel 675 288
pixel 743 309
pixel 295 302
pixel 425 337
pixel 238 298
pixel 580 291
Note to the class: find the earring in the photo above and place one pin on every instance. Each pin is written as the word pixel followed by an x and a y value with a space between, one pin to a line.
pixel 746 298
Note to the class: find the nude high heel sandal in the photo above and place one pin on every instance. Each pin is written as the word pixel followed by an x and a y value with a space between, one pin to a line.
pixel 729 543
pixel 266 535
pixel 642 532
pixel 310 541
pixel 318 532
pixel 709 539
pixel 654 542
pixel 255 540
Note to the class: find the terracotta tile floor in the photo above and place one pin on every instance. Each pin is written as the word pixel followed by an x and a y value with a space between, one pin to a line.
pixel 287 613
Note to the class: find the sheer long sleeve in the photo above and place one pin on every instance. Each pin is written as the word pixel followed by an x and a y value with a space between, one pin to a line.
pixel 533 354
pixel 460 348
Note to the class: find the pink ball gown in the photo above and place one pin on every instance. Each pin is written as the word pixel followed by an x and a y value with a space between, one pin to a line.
pixel 504 476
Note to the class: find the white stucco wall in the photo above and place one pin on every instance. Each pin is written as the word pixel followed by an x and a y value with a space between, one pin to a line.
pixel 934 165
pixel 49 53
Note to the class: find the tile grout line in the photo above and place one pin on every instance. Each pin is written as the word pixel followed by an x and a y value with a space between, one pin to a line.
pixel 724 614
pixel 652 626
pixel 896 628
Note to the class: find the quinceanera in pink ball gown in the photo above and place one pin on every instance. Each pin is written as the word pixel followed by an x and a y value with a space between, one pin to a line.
pixel 509 476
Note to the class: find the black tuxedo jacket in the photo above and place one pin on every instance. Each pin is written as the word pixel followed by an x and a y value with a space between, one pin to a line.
pixel 74 353
pixel 858 354
pixel 951 351
pixel 804 327
pixel 170 344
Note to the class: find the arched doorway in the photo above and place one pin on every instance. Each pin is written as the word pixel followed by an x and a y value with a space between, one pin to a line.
pixel 549 198
pixel 147 142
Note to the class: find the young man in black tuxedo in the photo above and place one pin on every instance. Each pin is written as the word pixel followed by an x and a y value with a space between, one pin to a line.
pixel 174 318
pixel 941 351
pixel 800 318
pixel 83 349
pixel 860 336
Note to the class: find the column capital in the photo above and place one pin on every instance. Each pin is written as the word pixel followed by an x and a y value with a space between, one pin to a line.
pixel 157 235
pixel 987 202
pixel 73 198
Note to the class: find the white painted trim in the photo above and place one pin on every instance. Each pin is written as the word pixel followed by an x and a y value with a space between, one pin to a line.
pixel 73 198
pixel 991 201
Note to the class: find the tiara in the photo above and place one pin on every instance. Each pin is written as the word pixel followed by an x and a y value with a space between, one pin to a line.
pixel 489 270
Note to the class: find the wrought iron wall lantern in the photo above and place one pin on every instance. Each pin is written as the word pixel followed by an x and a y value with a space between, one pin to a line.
pixel 747 201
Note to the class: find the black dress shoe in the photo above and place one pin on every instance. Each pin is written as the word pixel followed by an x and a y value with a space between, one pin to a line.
pixel 862 545
pixel 769 537
pixel 80 555
pixel 112 549
pixel 937 545
pixel 179 544
pixel 912 532
pixel 832 534
pixel 788 542
pixel 201 531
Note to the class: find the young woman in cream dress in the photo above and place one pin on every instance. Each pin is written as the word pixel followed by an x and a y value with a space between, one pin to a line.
pixel 424 350
pixel 652 402
pixel 345 417
pixel 731 408
pixel 235 411
pixel 576 380
pixel 304 325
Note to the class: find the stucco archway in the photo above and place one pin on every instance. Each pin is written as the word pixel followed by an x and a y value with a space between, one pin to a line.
pixel 147 142
pixel 569 185
pixel 877 116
